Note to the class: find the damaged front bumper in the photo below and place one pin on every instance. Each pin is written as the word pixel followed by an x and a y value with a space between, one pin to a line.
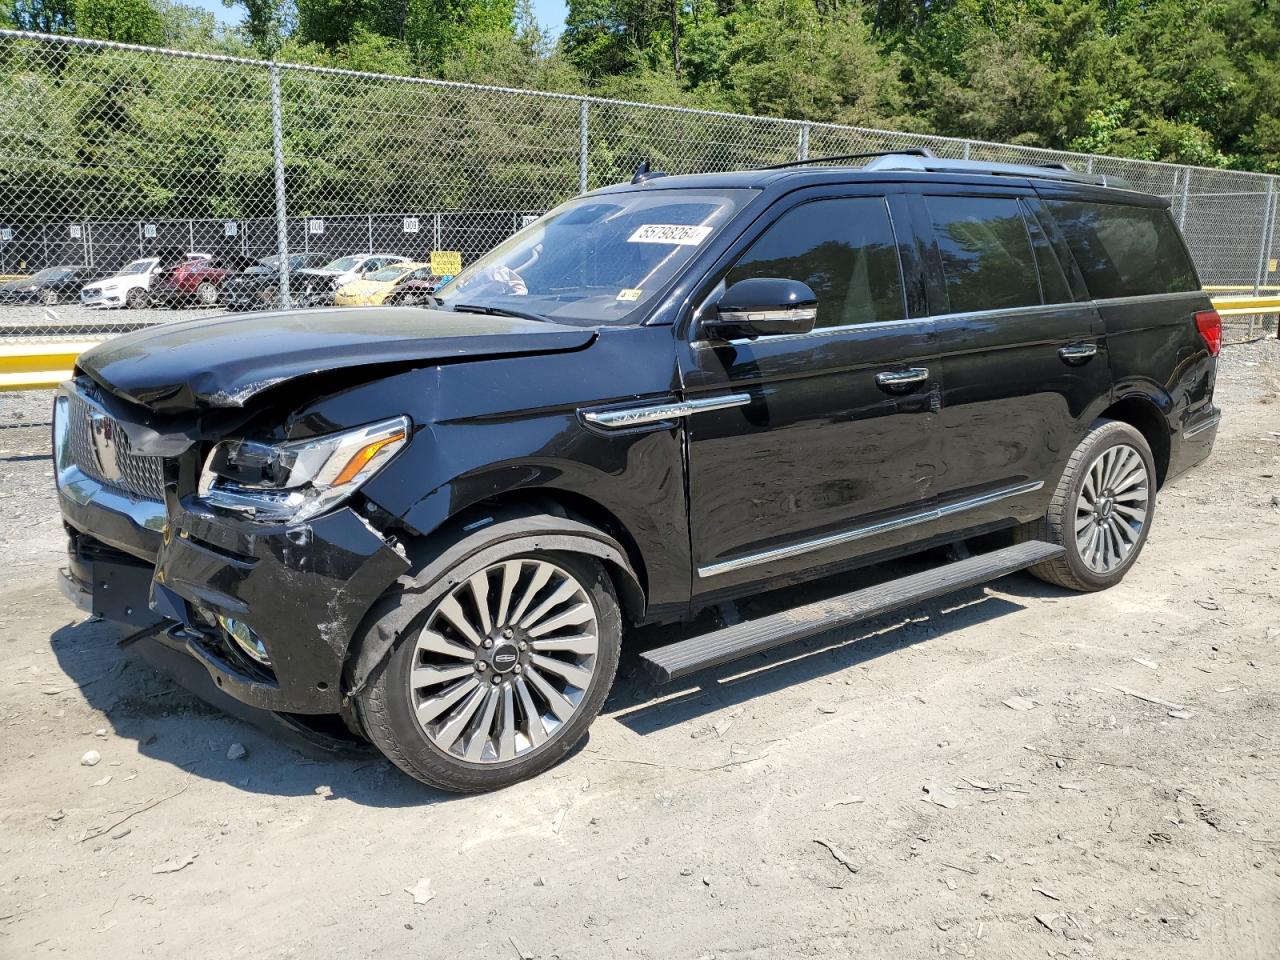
pixel 300 590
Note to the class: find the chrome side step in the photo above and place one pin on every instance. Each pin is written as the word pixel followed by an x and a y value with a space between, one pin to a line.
pixel 680 659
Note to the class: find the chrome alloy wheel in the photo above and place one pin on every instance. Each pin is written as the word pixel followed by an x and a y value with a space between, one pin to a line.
pixel 504 661
pixel 1112 508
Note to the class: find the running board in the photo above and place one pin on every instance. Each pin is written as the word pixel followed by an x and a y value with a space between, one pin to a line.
pixel 742 640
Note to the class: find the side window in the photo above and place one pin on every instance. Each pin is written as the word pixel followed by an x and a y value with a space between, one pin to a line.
pixel 844 249
pixel 1125 251
pixel 1053 281
pixel 986 253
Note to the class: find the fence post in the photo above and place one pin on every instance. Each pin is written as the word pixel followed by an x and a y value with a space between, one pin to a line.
pixel 802 150
pixel 1264 247
pixel 583 146
pixel 966 149
pixel 1186 195
pixel 282 226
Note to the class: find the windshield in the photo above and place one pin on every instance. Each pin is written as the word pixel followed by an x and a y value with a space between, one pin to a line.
pixel 387 274
pixel 343 264
pixel 54 273
pixel 596 258
pixel 138 266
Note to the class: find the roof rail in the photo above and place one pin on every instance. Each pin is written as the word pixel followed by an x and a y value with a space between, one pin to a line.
pixel 904 152
pixel 1047 171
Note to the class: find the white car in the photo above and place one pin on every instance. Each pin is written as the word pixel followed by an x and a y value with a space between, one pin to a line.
pixel 316 286
pixel 129 286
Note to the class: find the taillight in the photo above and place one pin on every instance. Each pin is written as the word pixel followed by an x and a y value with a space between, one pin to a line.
pixel 1210 326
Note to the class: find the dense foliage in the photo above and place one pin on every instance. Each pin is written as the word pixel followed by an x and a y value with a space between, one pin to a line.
pixel 1194 81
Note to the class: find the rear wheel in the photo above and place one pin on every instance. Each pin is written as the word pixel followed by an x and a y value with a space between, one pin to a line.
pixel 207 294
pixel 500 677
pixel 1101 511
pixel 49 298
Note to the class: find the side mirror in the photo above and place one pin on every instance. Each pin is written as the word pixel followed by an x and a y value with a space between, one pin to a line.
pixel 763 307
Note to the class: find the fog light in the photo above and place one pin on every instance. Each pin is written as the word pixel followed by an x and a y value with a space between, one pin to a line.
pixel 245 639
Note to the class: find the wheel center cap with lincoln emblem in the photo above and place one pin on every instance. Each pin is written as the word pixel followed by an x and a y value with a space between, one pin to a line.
pixel 504 657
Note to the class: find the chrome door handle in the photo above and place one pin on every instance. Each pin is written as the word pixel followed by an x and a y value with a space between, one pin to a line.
pixel 896 379
pixel 1078 351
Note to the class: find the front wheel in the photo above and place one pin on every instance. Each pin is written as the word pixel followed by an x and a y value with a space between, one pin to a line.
pixel 207 294
pixel 1101 511
pixel 499 678
pixel 136 298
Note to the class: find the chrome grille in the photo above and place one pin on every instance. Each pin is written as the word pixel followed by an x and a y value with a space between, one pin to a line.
pixel 139 477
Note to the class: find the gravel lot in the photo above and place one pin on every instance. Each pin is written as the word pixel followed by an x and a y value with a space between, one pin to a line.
pixel 1013 772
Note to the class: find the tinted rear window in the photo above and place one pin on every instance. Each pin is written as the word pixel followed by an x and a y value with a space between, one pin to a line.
pixel 1125 251
pixel 986 253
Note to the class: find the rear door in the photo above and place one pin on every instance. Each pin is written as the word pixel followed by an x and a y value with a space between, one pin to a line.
pixel 1023 360
pixel 811 448
pixel 1145 286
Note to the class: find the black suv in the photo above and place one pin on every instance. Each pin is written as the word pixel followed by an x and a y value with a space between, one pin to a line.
pixel 434 522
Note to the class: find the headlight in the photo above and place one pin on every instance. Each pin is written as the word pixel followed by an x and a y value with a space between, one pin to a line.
pixel 295 481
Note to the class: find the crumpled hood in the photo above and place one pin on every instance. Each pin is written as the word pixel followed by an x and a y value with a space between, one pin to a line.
pixel 220 362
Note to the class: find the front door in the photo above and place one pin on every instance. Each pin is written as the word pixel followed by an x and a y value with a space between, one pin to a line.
pixel 811 448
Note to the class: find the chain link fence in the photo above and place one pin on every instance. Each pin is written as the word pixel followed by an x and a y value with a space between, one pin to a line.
pixel 112 154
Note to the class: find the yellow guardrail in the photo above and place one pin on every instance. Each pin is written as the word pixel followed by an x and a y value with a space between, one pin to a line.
pixel 35 366
pixel 1243 306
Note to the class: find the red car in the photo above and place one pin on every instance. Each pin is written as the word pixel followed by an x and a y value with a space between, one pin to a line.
pixel 196 281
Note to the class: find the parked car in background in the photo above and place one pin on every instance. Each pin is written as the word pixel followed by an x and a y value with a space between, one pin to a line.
pixel 374 290
pixel 130 286
pixel 197 281
pixel 258 286
pixel 316 286
pixel 50 286
pixel 415 291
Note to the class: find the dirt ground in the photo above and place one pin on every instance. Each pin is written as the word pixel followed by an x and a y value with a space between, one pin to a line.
pixel 1014 772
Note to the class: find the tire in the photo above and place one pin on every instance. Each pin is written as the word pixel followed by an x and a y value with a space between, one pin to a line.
pixel 206 294
pixel 456 706
pixel 1115 525
pixel 136 299
pixel 49 298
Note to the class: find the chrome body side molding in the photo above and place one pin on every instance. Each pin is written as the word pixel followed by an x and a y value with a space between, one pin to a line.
pixel 859 533
pixel 627 417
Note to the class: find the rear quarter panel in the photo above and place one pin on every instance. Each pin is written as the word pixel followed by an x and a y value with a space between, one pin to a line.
pixel 1157 352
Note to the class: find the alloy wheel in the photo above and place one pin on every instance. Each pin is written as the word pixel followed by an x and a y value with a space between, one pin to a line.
pixel 504 661
pixel 1112 509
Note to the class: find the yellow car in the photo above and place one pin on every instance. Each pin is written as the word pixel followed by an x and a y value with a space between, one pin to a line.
pixel 374 290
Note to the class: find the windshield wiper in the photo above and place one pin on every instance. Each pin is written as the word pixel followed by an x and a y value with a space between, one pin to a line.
pixel 497 312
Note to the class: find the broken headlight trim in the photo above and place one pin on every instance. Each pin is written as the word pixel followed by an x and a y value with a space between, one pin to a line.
pixel 295 481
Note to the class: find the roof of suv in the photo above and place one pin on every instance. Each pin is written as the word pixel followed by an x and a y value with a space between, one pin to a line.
pixel 917 166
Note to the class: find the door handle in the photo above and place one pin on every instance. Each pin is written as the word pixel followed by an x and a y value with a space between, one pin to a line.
pixel 894 380
pixel 1078 352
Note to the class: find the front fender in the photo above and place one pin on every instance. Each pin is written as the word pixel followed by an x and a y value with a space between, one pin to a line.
pixel 451 556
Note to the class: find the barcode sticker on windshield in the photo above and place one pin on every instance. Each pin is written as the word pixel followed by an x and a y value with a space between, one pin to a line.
pixel 669 233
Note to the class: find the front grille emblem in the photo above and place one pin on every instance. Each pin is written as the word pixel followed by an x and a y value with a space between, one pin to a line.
pixel 105 444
